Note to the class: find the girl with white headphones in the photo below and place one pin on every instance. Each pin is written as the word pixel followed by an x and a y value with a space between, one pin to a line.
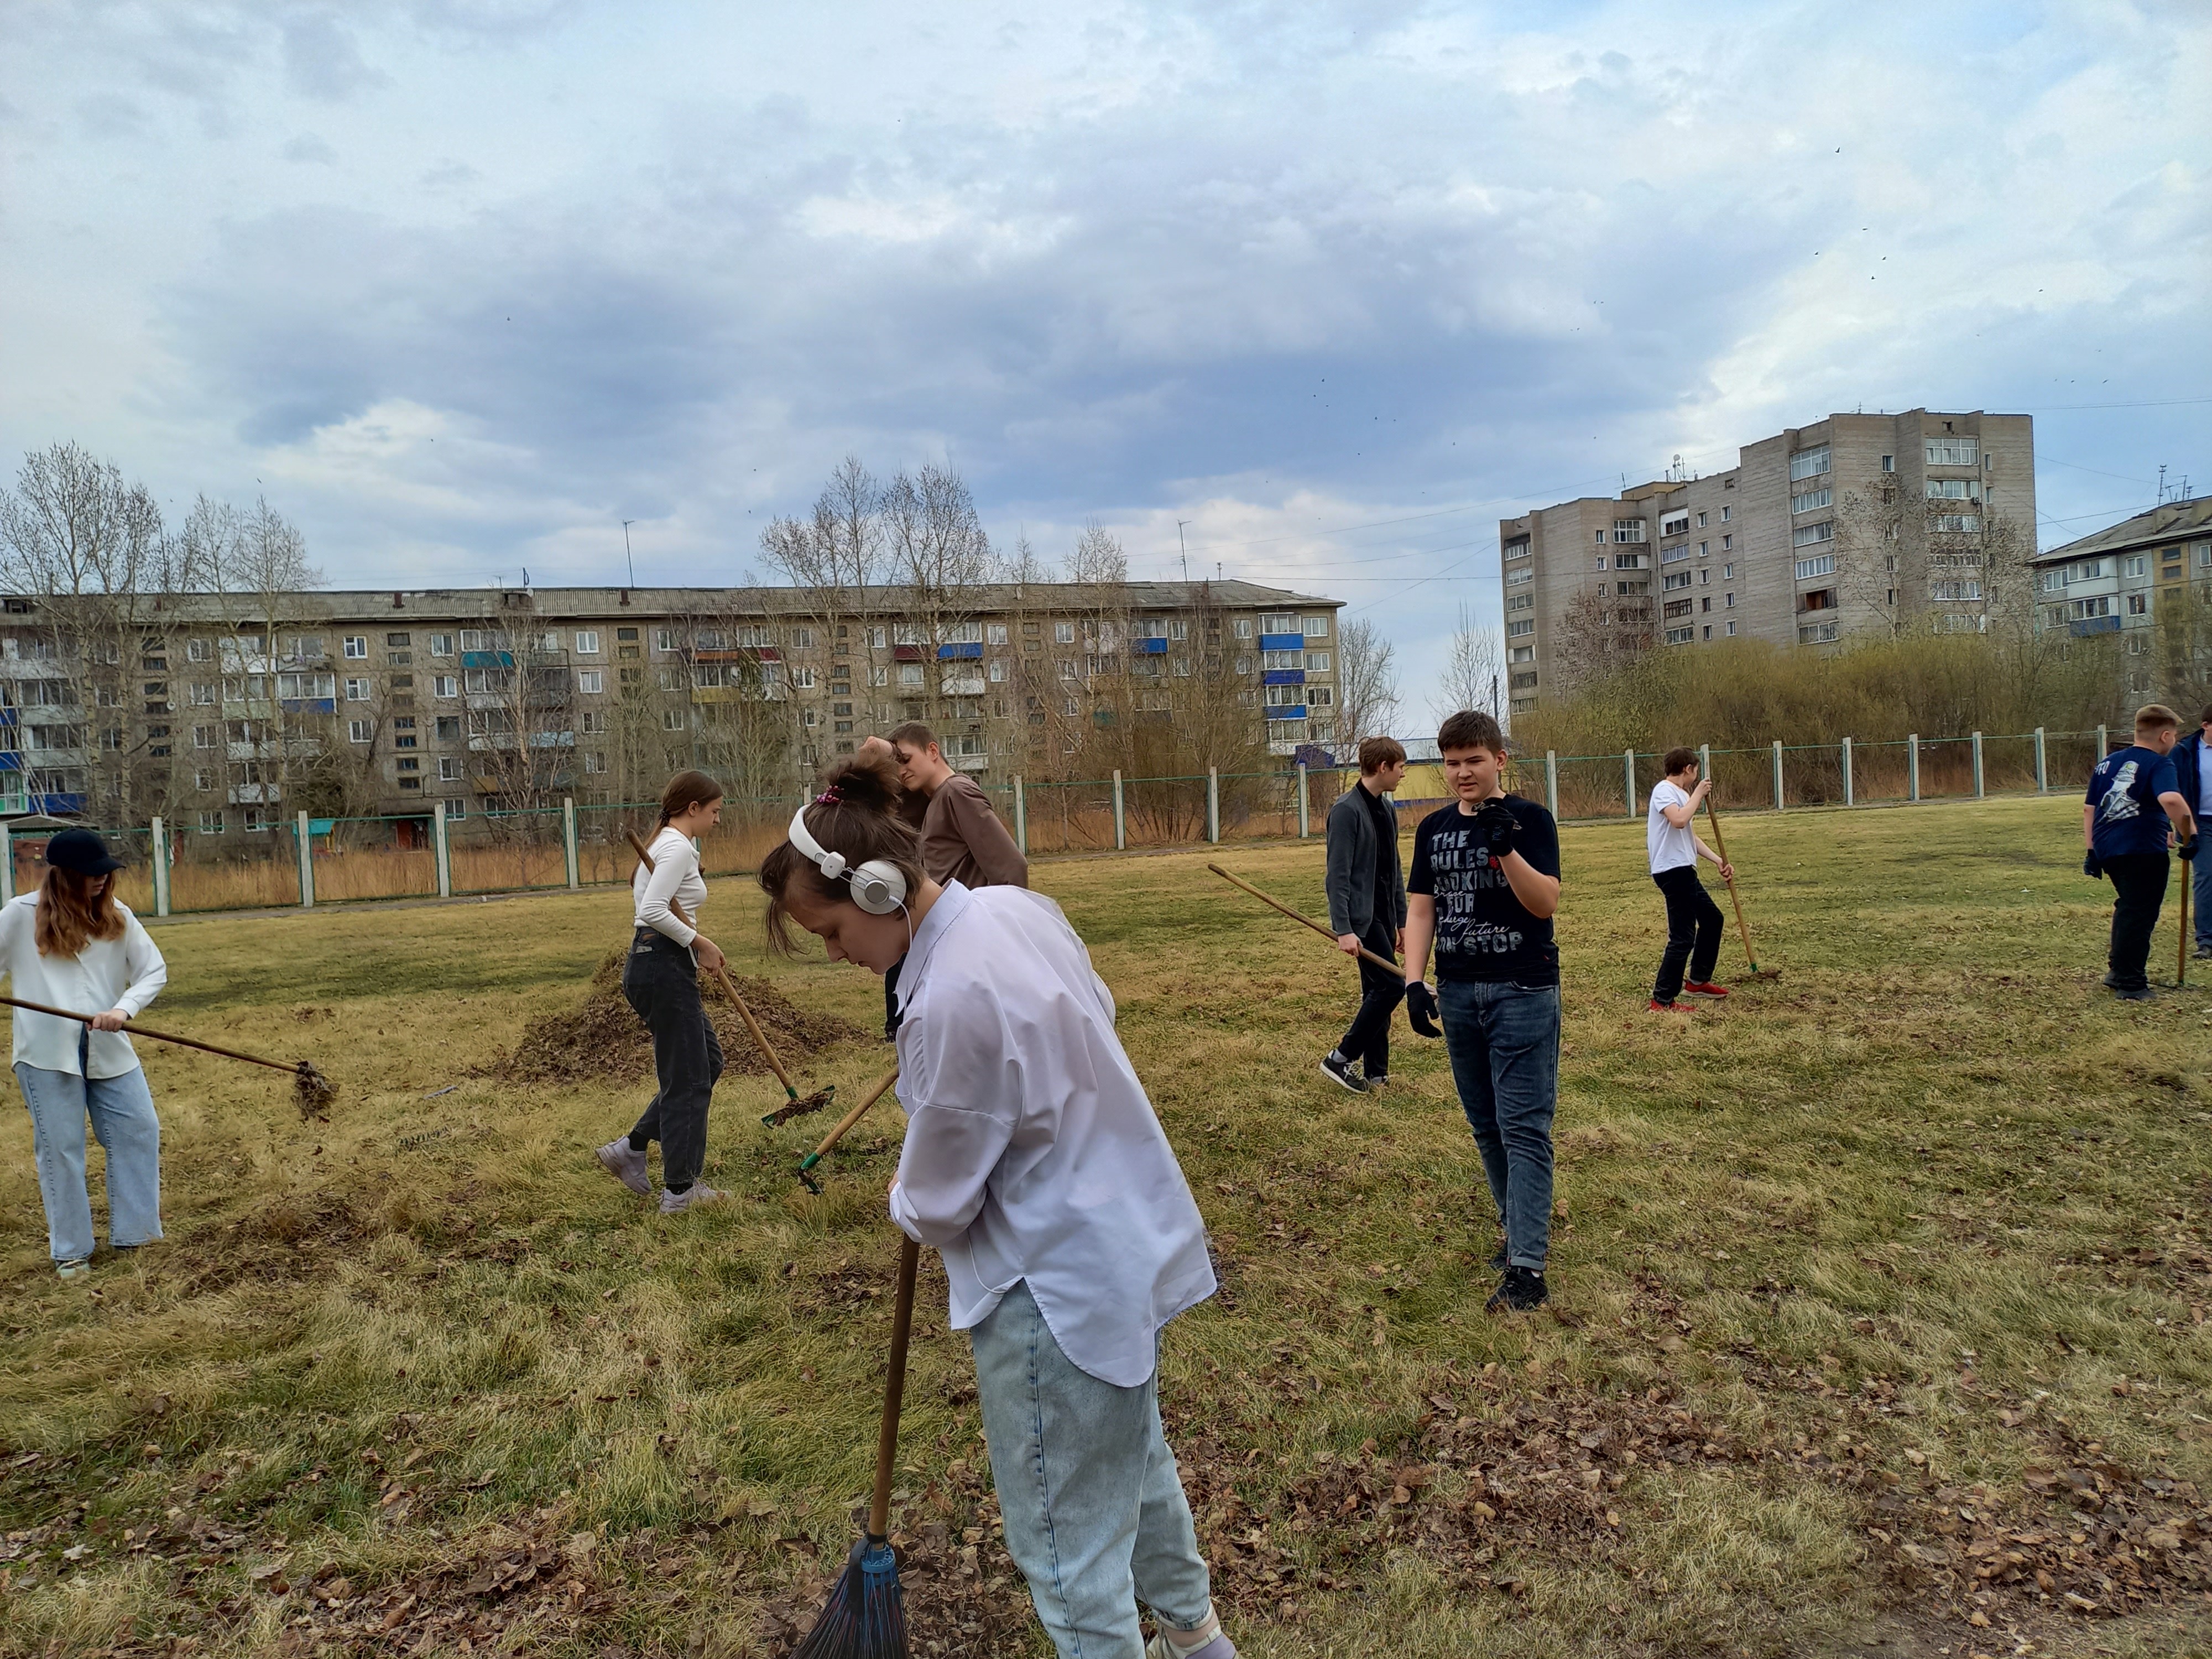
pixel 660 979
pixel 1036 1165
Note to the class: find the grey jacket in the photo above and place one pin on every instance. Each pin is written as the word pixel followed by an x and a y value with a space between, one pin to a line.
pixel 1355 853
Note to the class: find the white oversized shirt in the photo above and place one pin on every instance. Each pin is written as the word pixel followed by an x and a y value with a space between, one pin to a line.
pixel 1670 848
pixel 675 875
pixel 126 972
pixel 1031 1151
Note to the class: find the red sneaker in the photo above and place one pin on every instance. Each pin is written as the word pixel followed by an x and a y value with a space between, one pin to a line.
pixel 1665 1008
pixel 1706 988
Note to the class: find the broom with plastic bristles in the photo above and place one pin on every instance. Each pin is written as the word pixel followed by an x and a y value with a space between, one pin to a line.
pixel 866 1615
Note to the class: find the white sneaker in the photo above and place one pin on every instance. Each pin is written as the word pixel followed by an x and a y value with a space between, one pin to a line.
pixel 691 1198
pixel 76 1269
pixel 1219 1647
pixel 626 1165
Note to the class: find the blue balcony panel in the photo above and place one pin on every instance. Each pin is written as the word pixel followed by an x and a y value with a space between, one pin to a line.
pixel 1296 712
pixel 10 761
pixel 8 717
pixel 1282 642
pixel 958 649
pixel 310 705
pixel 487 660
pixel 2089 625
pixel 60 806
pixel 1148 647
pixel 1284 676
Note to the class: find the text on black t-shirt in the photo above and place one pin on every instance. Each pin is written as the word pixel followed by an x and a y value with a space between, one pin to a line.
pixel 1483 930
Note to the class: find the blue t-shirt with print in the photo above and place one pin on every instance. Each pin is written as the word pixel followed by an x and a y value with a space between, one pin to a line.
pixel 2124 793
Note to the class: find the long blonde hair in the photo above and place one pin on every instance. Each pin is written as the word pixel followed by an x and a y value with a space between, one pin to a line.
pixel 73 911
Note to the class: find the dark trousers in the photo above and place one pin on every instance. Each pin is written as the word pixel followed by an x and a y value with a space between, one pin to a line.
pixel 662 983
pixel 2139 881
pixel 1368 1038
pixel 1693 932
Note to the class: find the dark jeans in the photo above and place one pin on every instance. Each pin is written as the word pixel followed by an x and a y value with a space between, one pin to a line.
pixel 1368 1038
pixel 1503 1042
pixel 2201 894
pixel 2139 881
pixel 662 983
pixel 1693 932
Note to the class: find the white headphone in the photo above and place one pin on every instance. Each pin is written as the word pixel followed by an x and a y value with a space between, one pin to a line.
pixel 878 888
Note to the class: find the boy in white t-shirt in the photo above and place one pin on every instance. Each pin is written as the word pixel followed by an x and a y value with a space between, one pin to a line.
pixel 1693 920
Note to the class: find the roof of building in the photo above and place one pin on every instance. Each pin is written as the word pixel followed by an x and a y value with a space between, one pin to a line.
pixel 2161 524
pixel 464 605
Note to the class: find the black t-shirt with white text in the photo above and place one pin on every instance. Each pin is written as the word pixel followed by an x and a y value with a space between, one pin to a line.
pixel 1483 932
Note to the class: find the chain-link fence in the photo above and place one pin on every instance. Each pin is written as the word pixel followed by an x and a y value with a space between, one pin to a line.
pixel 465 852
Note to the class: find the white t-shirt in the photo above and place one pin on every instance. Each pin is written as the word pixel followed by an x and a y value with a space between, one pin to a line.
pixel 1670 848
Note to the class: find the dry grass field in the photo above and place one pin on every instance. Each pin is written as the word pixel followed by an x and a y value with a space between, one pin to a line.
pixel 1879 1316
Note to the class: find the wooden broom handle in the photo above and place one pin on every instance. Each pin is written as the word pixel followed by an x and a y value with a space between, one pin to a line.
pixel 760 1036
pixel 1720 846
pixel 1365 954
pixel 879 1505
pixel 293 1066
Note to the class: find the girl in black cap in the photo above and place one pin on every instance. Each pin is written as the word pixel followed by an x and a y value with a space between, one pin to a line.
pixel 72 945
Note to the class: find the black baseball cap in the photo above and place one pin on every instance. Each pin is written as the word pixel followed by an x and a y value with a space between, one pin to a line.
pixel 81 852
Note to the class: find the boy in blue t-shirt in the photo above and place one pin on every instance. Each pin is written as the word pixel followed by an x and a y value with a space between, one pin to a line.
pixel 2133 796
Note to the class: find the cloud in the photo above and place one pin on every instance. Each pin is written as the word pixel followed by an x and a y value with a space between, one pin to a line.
pixel 321 60
pixel 308 149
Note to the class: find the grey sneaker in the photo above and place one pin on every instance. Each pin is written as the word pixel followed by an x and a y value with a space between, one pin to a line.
pixel 691 1198
pixel 625 1165
pixel 1219 1647
pixel 77 1269
pixel 1335 1067
pixel 1376 1079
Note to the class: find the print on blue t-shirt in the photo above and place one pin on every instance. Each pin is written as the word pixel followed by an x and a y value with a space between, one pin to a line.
pixel 2124 792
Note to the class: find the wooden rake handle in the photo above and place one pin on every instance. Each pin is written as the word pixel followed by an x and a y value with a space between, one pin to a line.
pixel 722 974
pixel 296 1067
pixel 1365 954
pixel 1720 846
pixel 807 1164
pixel 879 1504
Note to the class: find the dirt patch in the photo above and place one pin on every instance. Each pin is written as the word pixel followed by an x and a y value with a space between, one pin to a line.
pixel 604 1038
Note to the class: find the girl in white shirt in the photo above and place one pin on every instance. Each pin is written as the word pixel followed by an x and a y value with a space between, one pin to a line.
pixel 1036 1166
pixel 71 946
pixel 660 979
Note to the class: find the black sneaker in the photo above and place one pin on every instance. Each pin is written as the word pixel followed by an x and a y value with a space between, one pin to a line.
pixel 1335 1066
pixel 2134 993
pixel 1378 1080
pixel 1519 1291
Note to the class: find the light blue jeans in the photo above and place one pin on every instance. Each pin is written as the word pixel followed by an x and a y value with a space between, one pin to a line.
pixel 1503 1042
pixel 1096 1515
pixel 121 1109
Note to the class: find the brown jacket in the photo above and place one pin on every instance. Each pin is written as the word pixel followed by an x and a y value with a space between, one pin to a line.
pixel 962 841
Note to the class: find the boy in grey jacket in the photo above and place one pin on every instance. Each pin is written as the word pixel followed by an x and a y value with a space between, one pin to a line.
pixel 1367 907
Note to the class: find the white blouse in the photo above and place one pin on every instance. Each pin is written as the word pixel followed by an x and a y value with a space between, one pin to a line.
pixel 1031 1152
pixel 126 972
pixel 675 876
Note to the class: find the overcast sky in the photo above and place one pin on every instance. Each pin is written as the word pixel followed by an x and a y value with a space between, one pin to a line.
pixel 461 286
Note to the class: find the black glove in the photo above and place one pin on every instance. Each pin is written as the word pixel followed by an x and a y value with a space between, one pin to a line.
pixel 2093 867
pixel 1496 828
pixel 2188 850
pixel 1422 1011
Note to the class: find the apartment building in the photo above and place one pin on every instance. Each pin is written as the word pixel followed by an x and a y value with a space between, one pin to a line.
pixel 1858 522
pixel 2126 579
pixel 224 714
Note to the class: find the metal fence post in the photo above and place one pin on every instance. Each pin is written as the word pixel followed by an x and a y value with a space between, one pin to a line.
pixel 569 841
pixel 1705 761
pixel 1121 825
pixel 1020 817
pixel 1978 766
pixel 306 865
pixel 1552 782
pixel 1305 826
pixel 1213 803
pixel 1628 778
pixel 1851 795
pixel 441 850
pixel 1778 802
pixel 160 848
pixel 2104 746
pixel 7 862
pixel 1913 767
pixel 2042 767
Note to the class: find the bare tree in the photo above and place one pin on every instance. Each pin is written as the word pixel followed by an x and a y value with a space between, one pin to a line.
pixel 1366 682
pixel 1472 670
pixel 1598 634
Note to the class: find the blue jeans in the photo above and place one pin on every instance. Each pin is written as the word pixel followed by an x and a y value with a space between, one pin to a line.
pixel 1096 1515
pixel 1503 1042
pixel 121 1109
pixel 2200 894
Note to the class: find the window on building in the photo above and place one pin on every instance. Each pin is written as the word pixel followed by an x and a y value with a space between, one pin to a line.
pixel 1628 530
pixel 587 642
pixel 998 670
pixel 1816 633
pixel 1063 633
pixel 1955 524
pixel 1822 565
pixel 1522 654
pixel 1812 501
pixel 1673 579
pixel 1728 601
pixel 361 731
pixel 356 690
pixel 1701 520
pixel 1316 628
pixel 1727 512
pixel 1515 631
pixel 1953 452
pixel 1705 575
pixel 1727 542
pixel 1953 490
pixel 445 685
pixel 199 650
pixel 356 645
pixel 1808 464
pixel 590 681
pixel 1682 635
pixel 1889 463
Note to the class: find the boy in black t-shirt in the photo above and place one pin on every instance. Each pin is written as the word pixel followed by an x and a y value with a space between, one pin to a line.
pixel 1483 886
